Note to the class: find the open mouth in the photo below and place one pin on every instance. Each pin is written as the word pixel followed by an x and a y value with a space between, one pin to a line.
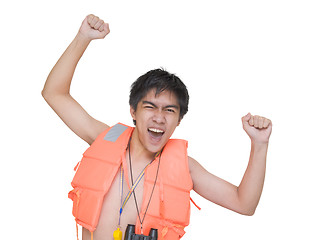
pixel 155 133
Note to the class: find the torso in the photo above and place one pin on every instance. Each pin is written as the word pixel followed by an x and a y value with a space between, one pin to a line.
pixel 109 216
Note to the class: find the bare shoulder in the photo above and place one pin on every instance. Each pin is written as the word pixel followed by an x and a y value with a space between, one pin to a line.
pixel 197 171
pixel 195 166
pixel 95 130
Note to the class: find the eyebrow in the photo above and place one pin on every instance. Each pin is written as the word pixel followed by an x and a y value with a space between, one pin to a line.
pixel 168 106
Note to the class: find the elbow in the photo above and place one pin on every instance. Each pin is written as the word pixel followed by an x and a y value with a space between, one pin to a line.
pixel 49 95
pixel 44 95
pixel 44 91
pixel 248 211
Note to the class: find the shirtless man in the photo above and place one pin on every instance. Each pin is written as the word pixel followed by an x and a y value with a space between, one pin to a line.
pixel 163 112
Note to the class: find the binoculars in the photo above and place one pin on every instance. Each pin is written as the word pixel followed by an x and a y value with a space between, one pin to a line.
pixel 130 234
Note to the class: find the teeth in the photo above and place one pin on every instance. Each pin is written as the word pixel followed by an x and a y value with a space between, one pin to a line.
pixel 155 130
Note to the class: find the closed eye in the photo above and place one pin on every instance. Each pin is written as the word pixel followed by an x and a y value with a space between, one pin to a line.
pixel 149 107
pixel 170 110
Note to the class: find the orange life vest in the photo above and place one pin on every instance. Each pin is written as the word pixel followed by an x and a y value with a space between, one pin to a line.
pixel 169 210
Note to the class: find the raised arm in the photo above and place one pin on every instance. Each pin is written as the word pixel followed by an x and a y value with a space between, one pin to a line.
pixel 56 90
pixel 244 198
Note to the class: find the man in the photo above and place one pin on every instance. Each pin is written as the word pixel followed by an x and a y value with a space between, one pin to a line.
pixel 165 174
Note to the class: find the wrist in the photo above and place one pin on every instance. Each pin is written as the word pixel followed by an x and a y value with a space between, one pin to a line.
pixel 259 144
pixel 83 38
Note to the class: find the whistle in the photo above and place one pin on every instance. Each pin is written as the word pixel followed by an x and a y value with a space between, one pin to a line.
pixel 117 234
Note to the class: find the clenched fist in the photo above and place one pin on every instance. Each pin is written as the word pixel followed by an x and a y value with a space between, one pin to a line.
pixel 94 28
pixel 258 128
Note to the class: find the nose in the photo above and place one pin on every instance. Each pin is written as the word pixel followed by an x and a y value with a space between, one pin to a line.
pixel 159 117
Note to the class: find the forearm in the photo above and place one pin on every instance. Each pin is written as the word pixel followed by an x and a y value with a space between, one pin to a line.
pixel 60 77
pixel 251 186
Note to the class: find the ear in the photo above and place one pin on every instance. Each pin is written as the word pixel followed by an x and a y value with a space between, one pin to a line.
pixel 132 112
pixel 179 122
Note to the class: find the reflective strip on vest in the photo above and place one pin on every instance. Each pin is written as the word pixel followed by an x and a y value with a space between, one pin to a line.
pixel 115 132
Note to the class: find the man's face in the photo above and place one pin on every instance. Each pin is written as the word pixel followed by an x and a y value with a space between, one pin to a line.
pixel 156 119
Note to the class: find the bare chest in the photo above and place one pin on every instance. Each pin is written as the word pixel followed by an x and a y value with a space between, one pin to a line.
pixel 109 217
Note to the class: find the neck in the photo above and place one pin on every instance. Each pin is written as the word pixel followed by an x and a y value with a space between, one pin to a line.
pixel 138 150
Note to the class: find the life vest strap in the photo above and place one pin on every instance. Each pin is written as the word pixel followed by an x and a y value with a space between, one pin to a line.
pixel 76 230
pixel 175 227
pixel 195 204
pixel 76 167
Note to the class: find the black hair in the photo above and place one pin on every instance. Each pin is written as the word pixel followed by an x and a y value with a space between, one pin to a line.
pixel 160 80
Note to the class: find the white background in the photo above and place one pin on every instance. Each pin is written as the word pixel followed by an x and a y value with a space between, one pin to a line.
pixel 234 56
